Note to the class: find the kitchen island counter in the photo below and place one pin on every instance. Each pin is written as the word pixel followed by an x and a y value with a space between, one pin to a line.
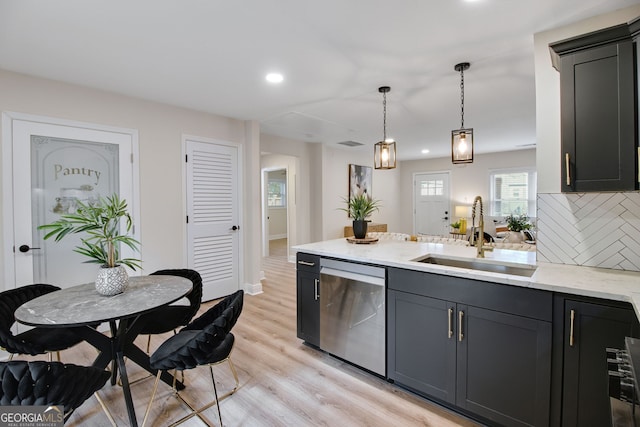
pixel 577 280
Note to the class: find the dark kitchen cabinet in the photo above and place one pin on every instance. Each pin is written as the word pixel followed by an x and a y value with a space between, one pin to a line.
pixel 481 347
pixel 308 298
pixel 421 350
pixel 590 326
pixel 598 110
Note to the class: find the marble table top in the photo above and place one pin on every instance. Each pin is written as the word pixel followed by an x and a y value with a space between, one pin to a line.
pixel 83 305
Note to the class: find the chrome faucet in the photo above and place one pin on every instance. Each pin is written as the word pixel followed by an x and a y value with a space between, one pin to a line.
pixel 479 241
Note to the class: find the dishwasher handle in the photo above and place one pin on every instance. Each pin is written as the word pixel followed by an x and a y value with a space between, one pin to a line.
pixel 358 277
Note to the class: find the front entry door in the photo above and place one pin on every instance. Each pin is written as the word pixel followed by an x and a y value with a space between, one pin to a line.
pixel 213 216
pixel 55 163
pixel 431 201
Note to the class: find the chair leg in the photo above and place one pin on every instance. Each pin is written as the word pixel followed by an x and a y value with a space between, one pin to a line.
pixel 153 395
pixel 105 409
pixel 198 412
pixel 215 391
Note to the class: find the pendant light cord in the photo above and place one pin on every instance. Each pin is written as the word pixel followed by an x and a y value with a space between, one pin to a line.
pixel 384 117
pixel 462 97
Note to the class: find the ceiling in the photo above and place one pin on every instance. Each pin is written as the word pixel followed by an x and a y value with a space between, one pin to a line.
pixel 213 55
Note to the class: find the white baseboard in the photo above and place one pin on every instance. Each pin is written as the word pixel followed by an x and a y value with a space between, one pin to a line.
pixel 253 289
pixel 278 236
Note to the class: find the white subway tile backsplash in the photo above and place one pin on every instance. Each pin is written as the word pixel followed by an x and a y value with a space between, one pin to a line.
pixel 591 229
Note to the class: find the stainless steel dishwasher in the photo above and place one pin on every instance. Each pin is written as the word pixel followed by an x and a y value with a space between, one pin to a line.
pixel 352 313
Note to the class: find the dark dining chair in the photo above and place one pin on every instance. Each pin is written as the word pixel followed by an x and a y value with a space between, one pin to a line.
pixel 34 341
pixel 43 383
pixel 172 317
pixel 205 341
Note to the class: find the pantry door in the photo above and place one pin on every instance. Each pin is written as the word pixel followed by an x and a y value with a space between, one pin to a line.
pixel 53 164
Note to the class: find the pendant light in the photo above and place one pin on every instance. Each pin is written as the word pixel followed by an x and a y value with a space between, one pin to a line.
pixel 462 139
pixel 384 152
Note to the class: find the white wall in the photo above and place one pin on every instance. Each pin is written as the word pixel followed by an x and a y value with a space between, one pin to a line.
pixel 548 93
pixel 335 180
pixel 160 134
pixel 467 181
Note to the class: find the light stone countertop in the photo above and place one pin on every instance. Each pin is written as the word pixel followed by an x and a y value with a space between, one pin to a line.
pixel 588 281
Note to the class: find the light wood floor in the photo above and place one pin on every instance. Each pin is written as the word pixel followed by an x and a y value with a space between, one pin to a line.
pixel 283 382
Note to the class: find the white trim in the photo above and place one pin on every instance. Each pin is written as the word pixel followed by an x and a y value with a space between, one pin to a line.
pixel 253 289
pixel 8 119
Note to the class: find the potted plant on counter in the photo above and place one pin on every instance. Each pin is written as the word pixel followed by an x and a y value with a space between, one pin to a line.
pixel 359 208
pixel 516 224
pixel 102 224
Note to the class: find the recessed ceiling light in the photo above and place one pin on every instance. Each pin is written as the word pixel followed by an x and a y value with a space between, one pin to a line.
pixel 425 151
pixel 274 78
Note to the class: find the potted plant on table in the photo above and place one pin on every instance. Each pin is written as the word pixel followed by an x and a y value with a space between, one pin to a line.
pixel 360 207
pixel 102 224
pixel 516 224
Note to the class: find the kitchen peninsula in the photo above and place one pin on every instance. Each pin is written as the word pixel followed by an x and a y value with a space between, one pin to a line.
pixel 507 348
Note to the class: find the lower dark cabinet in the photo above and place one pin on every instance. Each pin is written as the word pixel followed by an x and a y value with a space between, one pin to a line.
pixel 308 298
pixel 421 354
pixel 589 328
pixel 489 363
pixel 504 367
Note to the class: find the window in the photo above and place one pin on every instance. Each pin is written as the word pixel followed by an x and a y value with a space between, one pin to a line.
pixel 277 194
pixel 431 187
pixel 513 191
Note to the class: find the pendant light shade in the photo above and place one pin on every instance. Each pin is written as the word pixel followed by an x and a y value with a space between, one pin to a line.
pixel 462 139
pixel 384 152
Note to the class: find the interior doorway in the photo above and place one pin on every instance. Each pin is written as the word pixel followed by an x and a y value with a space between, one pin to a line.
pixel 275 209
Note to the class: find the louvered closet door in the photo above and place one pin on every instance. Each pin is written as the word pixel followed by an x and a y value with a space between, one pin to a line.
pixel 213 216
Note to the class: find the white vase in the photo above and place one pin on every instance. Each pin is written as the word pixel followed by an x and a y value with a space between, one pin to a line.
pixel 514 237
pixel 112 280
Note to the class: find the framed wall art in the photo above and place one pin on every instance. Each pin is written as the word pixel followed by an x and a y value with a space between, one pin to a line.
pixel 360 178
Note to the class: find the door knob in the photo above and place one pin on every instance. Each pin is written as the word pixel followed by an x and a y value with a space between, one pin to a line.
pixel 445 218
pixel 235 227
pixel 25 248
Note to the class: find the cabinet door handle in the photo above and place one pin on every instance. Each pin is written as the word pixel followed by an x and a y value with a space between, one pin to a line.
pixel 460 334
pixel 566 165
pixel 316 282
pixel 573 316
pixel 307 263
pixel 450 322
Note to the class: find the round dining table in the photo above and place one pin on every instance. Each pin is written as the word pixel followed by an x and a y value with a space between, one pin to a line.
pixel 82 305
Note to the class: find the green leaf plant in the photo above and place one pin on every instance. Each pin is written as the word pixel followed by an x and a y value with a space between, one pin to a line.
pixel 360 207
pixel 101 223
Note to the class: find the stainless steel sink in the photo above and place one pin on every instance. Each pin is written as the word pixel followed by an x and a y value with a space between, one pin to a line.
pixel 518 270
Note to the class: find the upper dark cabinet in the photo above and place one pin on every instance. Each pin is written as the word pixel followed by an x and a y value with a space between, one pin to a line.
pixel 598 90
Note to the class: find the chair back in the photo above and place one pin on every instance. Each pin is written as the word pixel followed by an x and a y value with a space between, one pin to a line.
pixel 10 300
pixel 48 383
pixel 205 340
pixel 194 297
pixel 222 316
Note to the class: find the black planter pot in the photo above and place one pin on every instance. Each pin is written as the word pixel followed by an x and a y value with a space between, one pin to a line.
pixel 360 229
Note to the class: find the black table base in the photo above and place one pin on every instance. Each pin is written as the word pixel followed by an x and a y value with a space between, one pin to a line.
pixel 113 350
